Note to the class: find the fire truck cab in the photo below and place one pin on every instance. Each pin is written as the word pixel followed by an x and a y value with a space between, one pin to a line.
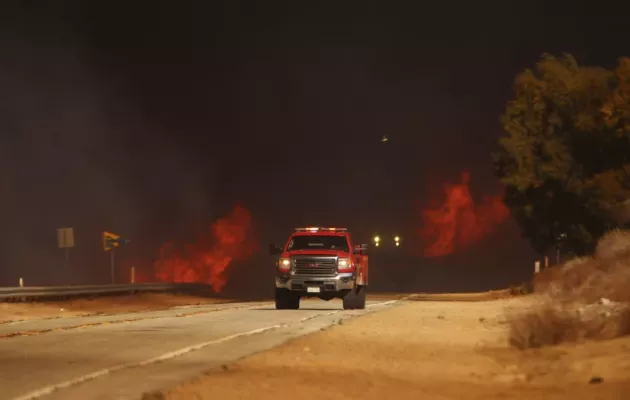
pixel 320 262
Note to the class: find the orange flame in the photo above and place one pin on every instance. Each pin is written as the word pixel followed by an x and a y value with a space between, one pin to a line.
pixel 207 259
pixel 457 222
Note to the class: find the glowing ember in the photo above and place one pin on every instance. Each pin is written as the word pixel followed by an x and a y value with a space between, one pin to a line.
pixel 457 222
pixel 207 259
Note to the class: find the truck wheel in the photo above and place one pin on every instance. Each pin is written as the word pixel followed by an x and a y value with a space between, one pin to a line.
pixel 361 297
pixel 355 299
pixel 286 300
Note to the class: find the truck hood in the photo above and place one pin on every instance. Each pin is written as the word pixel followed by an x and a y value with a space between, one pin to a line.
pixel 316 253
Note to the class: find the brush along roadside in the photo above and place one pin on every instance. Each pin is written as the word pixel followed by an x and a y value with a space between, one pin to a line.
pixel 585 298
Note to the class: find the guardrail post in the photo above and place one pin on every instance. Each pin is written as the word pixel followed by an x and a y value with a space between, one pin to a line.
pixel 133 274
pixel 21 282
pixel 536 267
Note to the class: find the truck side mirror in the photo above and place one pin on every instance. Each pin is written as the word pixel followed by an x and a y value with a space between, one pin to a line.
pixel 273 250
pixel 361 249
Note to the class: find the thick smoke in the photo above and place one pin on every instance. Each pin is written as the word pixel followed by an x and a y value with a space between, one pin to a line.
pixel 74 152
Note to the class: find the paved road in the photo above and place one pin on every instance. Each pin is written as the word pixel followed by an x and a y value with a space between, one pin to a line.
pixel 123 356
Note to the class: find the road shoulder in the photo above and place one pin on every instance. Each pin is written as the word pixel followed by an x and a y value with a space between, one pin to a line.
pixel 439 350
pixel 105 305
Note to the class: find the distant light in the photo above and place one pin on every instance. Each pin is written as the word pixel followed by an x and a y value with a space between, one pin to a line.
pixel 377 239
pixel 376 244
pixel 397 244
pixel 384 139
pixel 397 238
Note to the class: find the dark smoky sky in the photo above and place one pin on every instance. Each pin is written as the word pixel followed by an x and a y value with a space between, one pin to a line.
pixel 151 119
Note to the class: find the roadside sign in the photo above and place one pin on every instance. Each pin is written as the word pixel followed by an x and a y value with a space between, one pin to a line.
pixel 111 241
pixel 65 238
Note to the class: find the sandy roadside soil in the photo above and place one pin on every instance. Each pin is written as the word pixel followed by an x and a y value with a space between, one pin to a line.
pixel 126 304
pixel 422 350
pixel 99 305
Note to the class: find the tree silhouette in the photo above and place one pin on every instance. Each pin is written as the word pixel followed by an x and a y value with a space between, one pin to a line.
pixel 564 152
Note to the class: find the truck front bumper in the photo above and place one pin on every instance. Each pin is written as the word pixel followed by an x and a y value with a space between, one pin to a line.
pixel 342 281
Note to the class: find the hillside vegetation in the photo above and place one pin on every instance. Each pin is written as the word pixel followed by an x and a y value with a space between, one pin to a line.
pixel 585 298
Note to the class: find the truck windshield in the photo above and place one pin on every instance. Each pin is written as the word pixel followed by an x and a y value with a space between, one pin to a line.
pixel 318 243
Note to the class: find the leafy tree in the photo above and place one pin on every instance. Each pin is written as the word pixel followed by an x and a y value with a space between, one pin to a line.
pixel 565 151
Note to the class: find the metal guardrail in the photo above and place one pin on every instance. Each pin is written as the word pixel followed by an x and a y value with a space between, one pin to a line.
pixel 40 292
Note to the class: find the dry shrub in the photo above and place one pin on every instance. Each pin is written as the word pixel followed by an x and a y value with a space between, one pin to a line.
pixel 562 280
pixel 613 244
pixel 543 279
pixel 611 282
pixel 573 278
pixel 571 306
pixel 521 289
pixel 607 326
pixel 550 324
pixel 624 323
pixel 542 326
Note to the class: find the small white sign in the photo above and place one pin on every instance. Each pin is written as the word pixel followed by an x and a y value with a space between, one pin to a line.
pixel 65 238
pixel 312 290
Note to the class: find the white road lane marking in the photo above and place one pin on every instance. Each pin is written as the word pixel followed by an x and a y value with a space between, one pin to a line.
pixel 97 374
pixel 105 321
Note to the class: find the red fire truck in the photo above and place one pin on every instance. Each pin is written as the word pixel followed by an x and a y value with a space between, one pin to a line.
pixel 321 262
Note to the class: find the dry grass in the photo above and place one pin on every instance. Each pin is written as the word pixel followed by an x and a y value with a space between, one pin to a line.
pixel 549 324
pixel 543 326
pixel 613 245
pixel 586 298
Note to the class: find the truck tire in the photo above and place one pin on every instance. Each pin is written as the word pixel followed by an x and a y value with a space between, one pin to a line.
pixel 286 300
pixel 355 299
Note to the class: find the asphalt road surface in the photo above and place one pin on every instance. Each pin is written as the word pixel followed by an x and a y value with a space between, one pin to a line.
pixel 123 356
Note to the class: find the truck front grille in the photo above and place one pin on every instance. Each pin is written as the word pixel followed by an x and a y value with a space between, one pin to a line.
pixel 315 266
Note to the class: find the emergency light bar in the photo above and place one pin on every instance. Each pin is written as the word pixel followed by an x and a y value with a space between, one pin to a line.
pixel 319 228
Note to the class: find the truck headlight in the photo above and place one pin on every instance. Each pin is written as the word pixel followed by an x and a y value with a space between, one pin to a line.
pixel 343 263
pixel 284 264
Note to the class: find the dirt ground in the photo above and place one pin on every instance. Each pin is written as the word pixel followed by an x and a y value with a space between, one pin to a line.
pixel 99 305
pixel 10 312
pixel 475 296
pixel 422 350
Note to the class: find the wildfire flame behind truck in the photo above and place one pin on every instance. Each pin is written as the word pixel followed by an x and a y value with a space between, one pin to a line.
pixel 320 262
